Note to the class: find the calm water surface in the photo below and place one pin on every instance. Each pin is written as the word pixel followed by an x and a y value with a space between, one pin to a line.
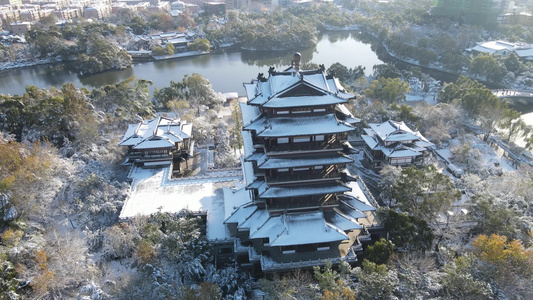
pixel 226 71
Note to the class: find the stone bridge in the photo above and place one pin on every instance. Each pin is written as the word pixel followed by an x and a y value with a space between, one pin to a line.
pixel 515 96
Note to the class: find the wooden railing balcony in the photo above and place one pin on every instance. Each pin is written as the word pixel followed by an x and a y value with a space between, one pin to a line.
pixel 299 204
pixel 310 146
pixel 154 156
pixel 286 178
pixel 302 261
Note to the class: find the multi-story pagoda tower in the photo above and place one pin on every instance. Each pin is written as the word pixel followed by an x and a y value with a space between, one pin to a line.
pixel 300 205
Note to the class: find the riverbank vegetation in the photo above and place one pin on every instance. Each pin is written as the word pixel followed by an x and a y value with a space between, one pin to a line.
pixel 90 47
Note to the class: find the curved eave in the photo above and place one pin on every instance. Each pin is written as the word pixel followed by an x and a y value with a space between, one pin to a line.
pixel 304 190
pixel 303 101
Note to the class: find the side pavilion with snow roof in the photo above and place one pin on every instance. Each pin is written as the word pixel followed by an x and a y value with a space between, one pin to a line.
pixel 393 143
pixel 300 206
pixel 158 142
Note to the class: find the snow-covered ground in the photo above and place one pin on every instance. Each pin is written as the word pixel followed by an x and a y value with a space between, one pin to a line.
pixel 153 191
pixel 490 157
pixel 157 193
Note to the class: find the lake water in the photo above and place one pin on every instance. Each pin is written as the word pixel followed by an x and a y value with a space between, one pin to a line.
pixel 226 71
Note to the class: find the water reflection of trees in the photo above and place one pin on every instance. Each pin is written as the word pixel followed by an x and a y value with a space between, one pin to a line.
pixel 105 78
pixel 277 59
pixel 338 36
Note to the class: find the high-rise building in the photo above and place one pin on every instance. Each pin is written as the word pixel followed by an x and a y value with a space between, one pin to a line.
pixel 480 12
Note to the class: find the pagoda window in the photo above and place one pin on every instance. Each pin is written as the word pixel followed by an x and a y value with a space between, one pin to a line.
pixel 301 139
pixel 319 167
pixel 265 241
pixel 288 249
pixel 283 140
pixel 300 169
pixel 319 110
pixel 282 112
pixel 319 138
pixel 283 170
pixel 322 247
pixel 226 250
pixel 403 160
pixel 305 248
pixel 301 111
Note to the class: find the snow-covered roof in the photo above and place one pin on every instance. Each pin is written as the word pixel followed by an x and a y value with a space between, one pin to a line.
pixel 154 142
pixel 341 220
pixel 337 88
pixel 247 143
pixel 317 79
pixel 233 199
pixel 256 219
pixel 298 126
pixel 250 89
pixel 160 132
pixel 393 131
pixel 248 170
pixel 178 40
pixel 306 228
pixel 402 141
pixel 270 228
pixel 241 213
pixel 295 228
pixel 370 141
pixel 304 190
pixel 395 153
pixel 351 211
pixel 357 197
pixel 494 46
pixel 277 90
pixel 524 52
pixel 259 92
pixel 342 109
pixel 306 161
pixel 281 82
pixel 249 113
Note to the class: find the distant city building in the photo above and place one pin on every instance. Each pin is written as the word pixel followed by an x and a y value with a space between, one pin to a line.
pixel 68 13
pixel 29 15
pixel 135 2
pixel 480 12
pixel 393 143
pixel 97 10
pixel 20 27
pixel 7 15
pixel 215 8
pixel 517 18
pixel 177 5
pixel 10 2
